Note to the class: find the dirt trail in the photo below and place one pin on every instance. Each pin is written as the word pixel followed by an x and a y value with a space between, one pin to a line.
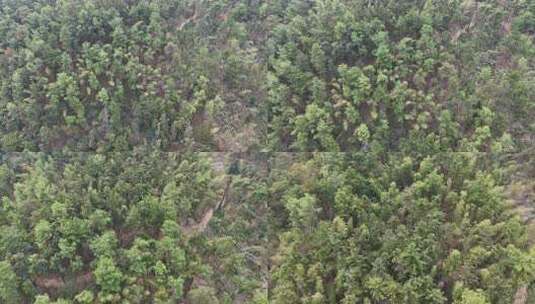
pixel 218 166
pixel 207 216
pixel 521 295
pixel 201 226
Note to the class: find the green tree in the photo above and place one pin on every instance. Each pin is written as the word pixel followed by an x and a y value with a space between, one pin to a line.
pixel 108 276
pixel 8 283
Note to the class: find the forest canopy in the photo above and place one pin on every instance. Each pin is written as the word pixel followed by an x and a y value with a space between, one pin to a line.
pixel 282 151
